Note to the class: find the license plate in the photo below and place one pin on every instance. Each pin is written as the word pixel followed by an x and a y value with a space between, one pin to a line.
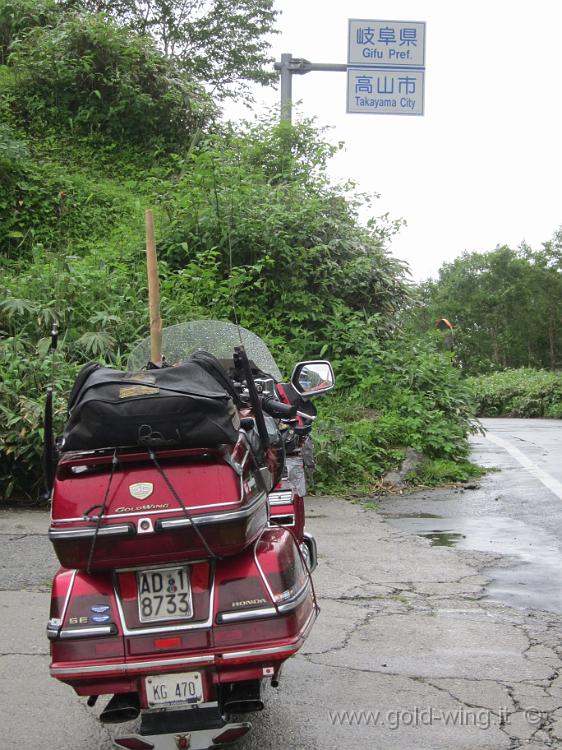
pixel 164 594
pixel 180 689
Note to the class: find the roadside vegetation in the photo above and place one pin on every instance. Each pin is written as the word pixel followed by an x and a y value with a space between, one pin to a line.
pixel 505 306
pixel 100 119
pixel 518 393
pixel 506 309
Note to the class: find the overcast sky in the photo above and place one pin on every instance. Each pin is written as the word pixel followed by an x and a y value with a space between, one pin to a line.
pixel 483 166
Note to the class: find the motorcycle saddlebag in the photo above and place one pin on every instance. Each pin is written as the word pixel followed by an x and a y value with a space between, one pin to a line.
pixel 170 407
pixel 142 522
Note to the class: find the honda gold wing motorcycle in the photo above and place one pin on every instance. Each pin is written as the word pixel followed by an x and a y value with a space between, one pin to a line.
pixel 178 520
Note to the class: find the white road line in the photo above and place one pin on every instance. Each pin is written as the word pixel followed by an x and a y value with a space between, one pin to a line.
pixel 543 476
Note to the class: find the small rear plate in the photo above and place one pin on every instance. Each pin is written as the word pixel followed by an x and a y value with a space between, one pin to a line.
pixel 179 689
pixel 164 594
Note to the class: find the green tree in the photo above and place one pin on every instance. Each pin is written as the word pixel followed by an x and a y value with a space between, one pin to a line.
pixel 546 295
pixel 505 305
pixel 222 43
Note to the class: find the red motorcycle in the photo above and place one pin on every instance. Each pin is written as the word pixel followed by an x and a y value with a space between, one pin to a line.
pixel 178 519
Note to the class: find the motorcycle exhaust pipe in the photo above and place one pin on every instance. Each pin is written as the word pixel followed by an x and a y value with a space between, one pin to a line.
pixel 122 707
pixel 243 697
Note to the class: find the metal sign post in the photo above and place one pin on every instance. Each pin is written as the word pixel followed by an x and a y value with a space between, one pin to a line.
pixel 385 69
pixel 290 66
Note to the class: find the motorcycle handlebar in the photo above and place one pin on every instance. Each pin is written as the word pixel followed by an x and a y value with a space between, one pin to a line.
pixel 304 415
pixel 278 408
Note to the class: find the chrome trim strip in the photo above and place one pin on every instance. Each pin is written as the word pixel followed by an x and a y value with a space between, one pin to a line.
pixel 144 512
pixel 282 497
pixel 260 651
pixel 254 614
pixel 310 542
pixel 178 523
pixel 273 523
pixel 248 614
pixel 87 632
pixel 246 455
pixel 194 706
pixel 296 600
pixel 68 595
pixel 53 631
pixel 86 533
pixel 168 628
pixel 131 666
pixel 260 571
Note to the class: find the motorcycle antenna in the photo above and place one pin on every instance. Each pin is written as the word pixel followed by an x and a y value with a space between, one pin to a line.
pixel 241 360
pixel 232 292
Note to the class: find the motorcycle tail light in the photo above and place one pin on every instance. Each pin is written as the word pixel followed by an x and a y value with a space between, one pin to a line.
pixel 87 649
pixel 280 562
pixel 133 743
pixel 232 734
pixel 259 631
pixel 165 643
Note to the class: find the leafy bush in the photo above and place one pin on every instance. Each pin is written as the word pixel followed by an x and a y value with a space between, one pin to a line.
pixel 45 205
pixel 89 76
pixel 262 200
pixel 25 374
pixel 518 393
pixel 17 17
pixel 406 395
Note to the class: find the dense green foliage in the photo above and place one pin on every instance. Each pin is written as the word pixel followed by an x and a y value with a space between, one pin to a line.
pixel 505 305
pixel 403 394
pixel 88 75
pixel 247 221
pixel 17 17
pixel 221 43
pixel 518 393
pixel 261 202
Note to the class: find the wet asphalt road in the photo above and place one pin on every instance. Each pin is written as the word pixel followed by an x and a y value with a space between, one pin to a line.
pixel 425 638
pixel 516 510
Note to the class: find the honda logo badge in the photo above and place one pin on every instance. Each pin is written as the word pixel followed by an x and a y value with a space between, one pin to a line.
pixel 141 490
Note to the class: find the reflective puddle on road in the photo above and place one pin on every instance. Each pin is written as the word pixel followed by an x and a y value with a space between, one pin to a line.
pixel 535 578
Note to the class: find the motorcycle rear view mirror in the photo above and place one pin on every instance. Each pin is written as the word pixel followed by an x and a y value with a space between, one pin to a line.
pixel 313 378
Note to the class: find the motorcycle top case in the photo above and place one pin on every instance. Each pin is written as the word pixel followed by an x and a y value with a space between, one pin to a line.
pixel 189 405
pixel 111 511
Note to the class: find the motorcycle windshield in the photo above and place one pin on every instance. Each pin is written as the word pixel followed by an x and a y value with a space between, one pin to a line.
pixel 214 336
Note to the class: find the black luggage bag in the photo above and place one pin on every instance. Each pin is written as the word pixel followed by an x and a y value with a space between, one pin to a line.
pixel 183 406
